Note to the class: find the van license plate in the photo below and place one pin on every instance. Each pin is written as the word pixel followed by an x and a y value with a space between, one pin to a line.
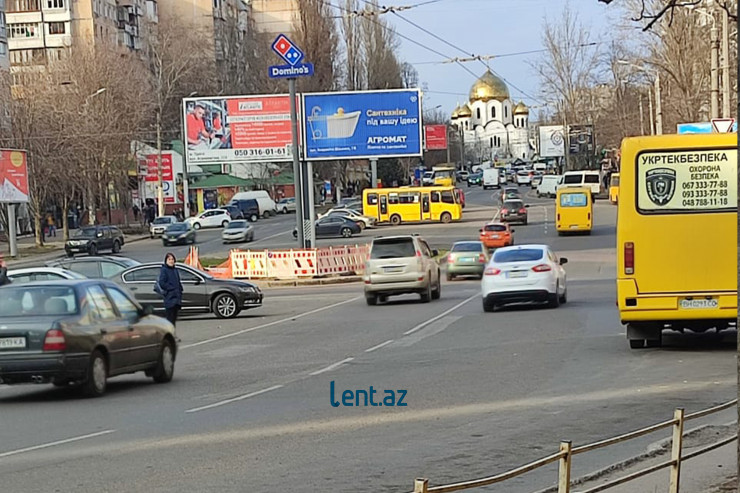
pixel 698 304
pixel 12 342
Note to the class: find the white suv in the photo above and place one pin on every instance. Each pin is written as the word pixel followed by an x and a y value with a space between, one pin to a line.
pixel 401 265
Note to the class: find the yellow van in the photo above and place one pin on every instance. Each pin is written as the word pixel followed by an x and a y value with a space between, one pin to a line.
pixel 677 235
pixel 574 210
pixel 614 188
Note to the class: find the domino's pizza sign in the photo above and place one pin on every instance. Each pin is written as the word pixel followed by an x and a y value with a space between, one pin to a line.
pixel 289 52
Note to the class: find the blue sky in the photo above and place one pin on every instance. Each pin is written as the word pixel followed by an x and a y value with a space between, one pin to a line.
pixel 483 27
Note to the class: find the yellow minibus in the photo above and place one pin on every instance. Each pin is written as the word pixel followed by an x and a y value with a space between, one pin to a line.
pixel 573 210
pixel 614 188
pixel 412 204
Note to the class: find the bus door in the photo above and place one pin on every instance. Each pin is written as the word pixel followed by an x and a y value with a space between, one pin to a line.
pixel 426 207
pixel 383 216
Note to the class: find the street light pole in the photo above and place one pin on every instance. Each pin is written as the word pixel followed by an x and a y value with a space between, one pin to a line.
pixel 160 191
pixel 714 36
pixel 658 110
pixel 642 118
pixel 725 64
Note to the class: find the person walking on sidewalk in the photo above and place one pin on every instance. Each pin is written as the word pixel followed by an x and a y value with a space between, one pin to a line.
pixel 52 225
pixel 3 273
pixel 170 287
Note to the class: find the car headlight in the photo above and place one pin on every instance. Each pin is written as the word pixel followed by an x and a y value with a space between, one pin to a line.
pixel 182 235
pixel 248 289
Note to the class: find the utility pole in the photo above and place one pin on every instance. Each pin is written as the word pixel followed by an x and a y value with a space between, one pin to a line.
pixel 160 191
pixel 650 111
pixel 725 64
pixel 447 139
pixel 566 139
pixel 642 118
pixel 658 111
pixel 185 176
pixel 714 36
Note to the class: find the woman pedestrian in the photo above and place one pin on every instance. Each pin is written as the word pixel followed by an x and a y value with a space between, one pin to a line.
pixel 171 288
pixel 3 273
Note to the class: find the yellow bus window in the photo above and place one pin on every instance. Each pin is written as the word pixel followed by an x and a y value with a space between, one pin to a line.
pixel 372 199
pixel 573 200
pixel 392 198
pixel 448 197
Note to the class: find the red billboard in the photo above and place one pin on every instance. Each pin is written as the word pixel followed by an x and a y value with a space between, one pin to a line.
pixel 149 170
pixel 239 129
pixel 435 137
pixel 13 176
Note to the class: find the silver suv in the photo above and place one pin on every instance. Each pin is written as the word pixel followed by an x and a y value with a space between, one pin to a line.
pixel 401 265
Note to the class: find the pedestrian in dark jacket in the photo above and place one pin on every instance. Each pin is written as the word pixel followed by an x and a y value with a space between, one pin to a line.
pixel 3 273
pixel 169 283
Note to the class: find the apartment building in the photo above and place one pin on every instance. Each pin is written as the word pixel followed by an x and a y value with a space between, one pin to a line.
pixel 4 59
pixel 272 17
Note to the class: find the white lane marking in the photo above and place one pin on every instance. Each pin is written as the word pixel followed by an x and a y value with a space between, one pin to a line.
pixel 443 314
pixel 546 220
pixel 332 366
pixel 272 236
pixel 382 344
pixel 428 331
pixel 54 444
pixel 234 399
pixel 276 322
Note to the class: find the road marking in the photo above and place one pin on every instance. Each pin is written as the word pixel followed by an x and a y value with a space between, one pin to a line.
pixel 276 322
pixel 443 314
pixel 382 344
pixel 332 366
pixel 546 220
pixel 428 331
pixel 233 399
pixel 54 444
pixel 272 236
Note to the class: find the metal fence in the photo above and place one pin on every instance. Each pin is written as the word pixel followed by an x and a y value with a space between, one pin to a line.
pixel 566 453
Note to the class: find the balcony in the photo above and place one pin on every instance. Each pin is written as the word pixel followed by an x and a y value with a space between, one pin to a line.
pixel 58 40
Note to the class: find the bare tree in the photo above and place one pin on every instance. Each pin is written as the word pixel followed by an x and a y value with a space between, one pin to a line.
pixel 317 36
pixel 383 69
pixel 354 54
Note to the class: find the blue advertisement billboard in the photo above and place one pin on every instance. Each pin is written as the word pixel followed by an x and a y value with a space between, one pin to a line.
pixel 699 128
pixel 362 125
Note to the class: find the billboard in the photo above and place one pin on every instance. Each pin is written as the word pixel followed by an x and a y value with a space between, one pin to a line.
pixel 149 171
pixel 699 128
pixel 238 129
pixel 13 176
pixel 362 125
pixel 552 141
pixel 435 137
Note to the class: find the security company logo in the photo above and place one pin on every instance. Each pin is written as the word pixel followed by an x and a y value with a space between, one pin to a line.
pixel 661 185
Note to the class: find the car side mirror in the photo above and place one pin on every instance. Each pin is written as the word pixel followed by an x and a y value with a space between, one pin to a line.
pixel 480 230
pixel 99 235
pixel 197 282
pixel 563 260
pixel 435 253
pixel 526 206
pixel 147 310
pixel 513 231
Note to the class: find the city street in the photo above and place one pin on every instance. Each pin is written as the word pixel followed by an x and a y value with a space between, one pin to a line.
pixel 250 407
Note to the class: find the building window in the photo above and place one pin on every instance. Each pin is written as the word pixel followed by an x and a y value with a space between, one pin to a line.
pixel 491 141
pixel 477 112
pixel 23 31
pixel 23 6
pixel 3 49
pixel 493 112
pixel 506 111
pixel 56 28
pixel 55 4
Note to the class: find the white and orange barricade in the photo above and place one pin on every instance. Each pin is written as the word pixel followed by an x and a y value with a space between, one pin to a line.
pixel 305 264
pixel 280 264
pixel 357 256
pixel 248 264
pixel 192 258
pixel 333 261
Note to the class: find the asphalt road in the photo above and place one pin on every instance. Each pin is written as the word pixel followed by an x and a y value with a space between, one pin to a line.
pixel 250 407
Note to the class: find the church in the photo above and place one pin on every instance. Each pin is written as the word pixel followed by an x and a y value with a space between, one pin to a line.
pixel 492 125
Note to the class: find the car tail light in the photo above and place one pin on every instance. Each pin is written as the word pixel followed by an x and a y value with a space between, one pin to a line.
pixel 542 268
pixel 482 258
pixel 558 216
pixel 504 211
pixel 451 257
pixel 54 341
pixel 418 253
pixel 522 211
pixel 492 271
pixel 629 258
pixel 589 216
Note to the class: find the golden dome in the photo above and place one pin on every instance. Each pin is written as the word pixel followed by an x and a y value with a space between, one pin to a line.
pixel 521 109
pixel 456 113
pixel 465 111
pixel 489 87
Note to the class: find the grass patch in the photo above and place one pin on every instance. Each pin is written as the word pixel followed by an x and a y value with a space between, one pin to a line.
pixel 212 262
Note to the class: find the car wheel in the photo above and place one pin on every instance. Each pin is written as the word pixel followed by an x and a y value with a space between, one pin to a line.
pixel 437 293
pixel 488 306
pixel 224 224
pixel 361 225
pixel 116 247
pixel 93 250
pixel 96 380
pixel 564 297
pixel 395 219
pixel 253 218
pixel 554 298
pixel 285 210
pixel 426 295
pixel 525 222
pixel 164 243
pixel 224 306
pixel 445 218
pixel 371 299
pixel 654 342
pixel 196 225
pixel 151 236
pixel 450 277
pixel 346 233
pixel 165 368
pixel 69 254
pixel 637 343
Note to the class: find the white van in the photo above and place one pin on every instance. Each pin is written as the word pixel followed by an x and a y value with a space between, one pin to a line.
pixel 585 178
pixel 491 178
pixel 268 207
pixel 548 187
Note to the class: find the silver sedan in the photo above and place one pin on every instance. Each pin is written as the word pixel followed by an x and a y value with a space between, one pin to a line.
pixel 238 231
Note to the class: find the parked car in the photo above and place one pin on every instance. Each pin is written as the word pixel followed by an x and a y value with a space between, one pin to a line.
pixel 80 332
pixel 93 239
pixel 350 203
pixel 524 273
pixel 514 211
pixel 401 265
pixel 266 204
pixel 466 258
pixel 524 177
pixel 362 221
pixel 234 211
pixel 249 208
pixel 332 226
pixel 179 233
pixel 238 231
pixel 286 205
pixel 462 175
pixel 212 218
pixel 497 235
pixel 159 225
pixel 475 179
pixel 201 291
pixel 36 274
pixel 95 267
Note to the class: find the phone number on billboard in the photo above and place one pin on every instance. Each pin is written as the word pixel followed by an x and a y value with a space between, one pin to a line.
pixel 266 152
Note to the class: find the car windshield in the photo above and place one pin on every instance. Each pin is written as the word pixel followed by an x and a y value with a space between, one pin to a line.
pixel 495 227
pixel 470 246
pixel 514 204
pixel 33 301
pixel 86 233
pixel 393 248
pixel 178 227
pixel 237 225
pixel 518 255
pixel 162 220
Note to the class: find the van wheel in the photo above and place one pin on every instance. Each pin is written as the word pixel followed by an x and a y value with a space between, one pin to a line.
pixel 395 219
pixel 253 218
pixel 445 218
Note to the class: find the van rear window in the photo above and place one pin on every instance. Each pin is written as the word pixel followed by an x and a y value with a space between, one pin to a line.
pixel 573 200
pixel 572 179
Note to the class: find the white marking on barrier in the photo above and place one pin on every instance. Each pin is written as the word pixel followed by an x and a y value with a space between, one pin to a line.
pixel 444 313
pixel 332 366
pixel 234 399
pixel 382 344
pixel 276 322
pixel 54 444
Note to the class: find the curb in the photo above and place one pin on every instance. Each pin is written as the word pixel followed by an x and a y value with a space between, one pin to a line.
pixel 654 449
pixel 308 282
